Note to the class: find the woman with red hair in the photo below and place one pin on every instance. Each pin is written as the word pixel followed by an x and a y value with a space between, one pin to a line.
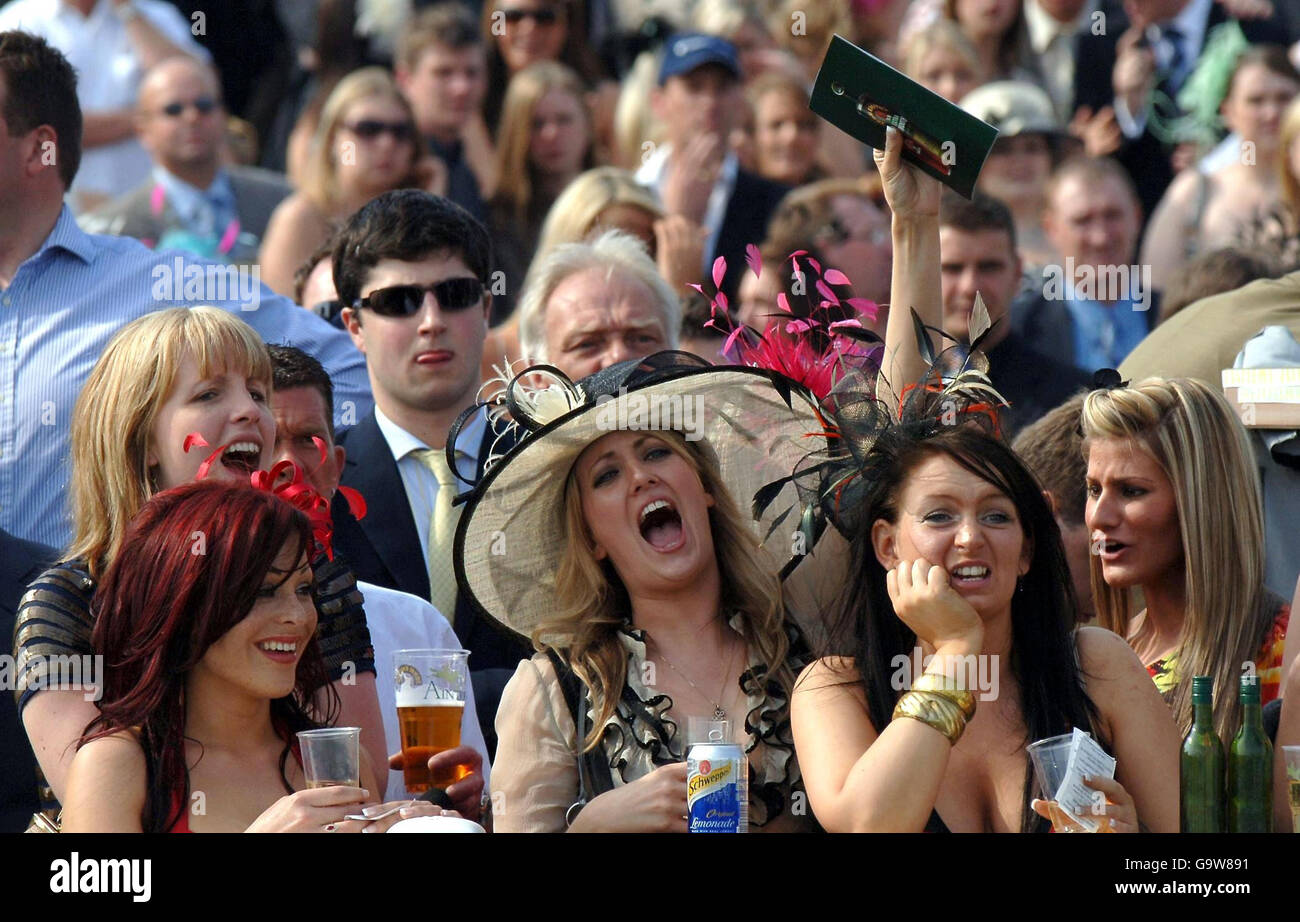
pixel 206 624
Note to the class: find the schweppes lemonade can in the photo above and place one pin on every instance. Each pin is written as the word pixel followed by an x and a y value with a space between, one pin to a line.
pixel 717 778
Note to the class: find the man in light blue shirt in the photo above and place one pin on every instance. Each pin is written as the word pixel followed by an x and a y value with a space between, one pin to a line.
pixel 64 293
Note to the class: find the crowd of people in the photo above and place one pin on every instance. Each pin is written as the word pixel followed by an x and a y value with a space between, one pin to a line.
pixel 328 329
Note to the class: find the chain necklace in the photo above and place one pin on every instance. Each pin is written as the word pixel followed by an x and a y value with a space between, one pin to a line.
pixel 719 712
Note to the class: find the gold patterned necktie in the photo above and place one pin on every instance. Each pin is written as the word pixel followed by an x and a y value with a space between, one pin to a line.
pixel 442 532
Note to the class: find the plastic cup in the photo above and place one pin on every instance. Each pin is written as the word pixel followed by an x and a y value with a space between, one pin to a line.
pixel 445 824
pixel 1050 757
pixel 331 756
pixel 1292 756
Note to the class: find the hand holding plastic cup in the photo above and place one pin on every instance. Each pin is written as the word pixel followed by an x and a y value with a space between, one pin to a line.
pixel 331 756
pixel 1050 757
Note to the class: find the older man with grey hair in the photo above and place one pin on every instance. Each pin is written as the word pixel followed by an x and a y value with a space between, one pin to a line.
pixel 590 305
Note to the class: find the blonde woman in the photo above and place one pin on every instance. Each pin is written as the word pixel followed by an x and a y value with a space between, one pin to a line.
pixel 647 591
pixel 365 144
pixel 1174 509
pixel 941 58
pixel 544 142
pixel 163 377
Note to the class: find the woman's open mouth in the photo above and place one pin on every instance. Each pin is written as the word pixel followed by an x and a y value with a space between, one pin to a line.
pixel 242 457
pixel 661 526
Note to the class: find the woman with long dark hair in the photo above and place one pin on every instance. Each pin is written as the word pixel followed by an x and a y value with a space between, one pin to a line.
pixel 207 628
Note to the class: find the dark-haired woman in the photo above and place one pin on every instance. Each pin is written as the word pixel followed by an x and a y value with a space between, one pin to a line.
pixel 956 555
pixel 211 659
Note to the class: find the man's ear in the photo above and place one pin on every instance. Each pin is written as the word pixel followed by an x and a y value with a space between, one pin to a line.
pixel 884 541
pixel 352 323
pixel 45 151
pixel 1051 501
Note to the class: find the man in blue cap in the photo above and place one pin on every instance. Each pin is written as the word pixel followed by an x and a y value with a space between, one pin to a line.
pixel 699 101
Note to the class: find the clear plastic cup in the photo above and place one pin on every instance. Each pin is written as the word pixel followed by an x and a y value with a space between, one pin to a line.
pixel 331 756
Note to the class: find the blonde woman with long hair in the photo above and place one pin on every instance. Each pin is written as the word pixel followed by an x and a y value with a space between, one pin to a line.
pixel 163 377
pixel 544 141
pixel 365 144
pixel 1174 509
pixel 648 593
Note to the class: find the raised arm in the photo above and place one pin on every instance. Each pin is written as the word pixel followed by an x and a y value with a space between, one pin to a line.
pixel 914 284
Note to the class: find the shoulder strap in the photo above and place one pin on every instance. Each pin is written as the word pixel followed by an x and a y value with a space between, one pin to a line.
pixel 594 775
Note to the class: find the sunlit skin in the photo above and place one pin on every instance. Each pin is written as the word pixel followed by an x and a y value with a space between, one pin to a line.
pixel 706 100
pixel 594 321
pixel 527 41
pixel 430 360
pixel 445 88
pixel 617 476
pixel 1132 515
pixel 980 262
pixel 188 145
pixel 560 135
pixel 284 611
pixel 319 285
pixel 1255 106
pixel 785 137
pixel 951 518
pixel 1095 223
pixel 1017 168
pixel 756 301
pixel 225 407
pixel 300 419
pixel 947 72
pixel 372 165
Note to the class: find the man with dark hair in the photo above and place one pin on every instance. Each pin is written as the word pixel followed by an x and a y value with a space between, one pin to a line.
pixel 64 293
pixel 441 68
pixel 977 255
pixel 410 269
pixel 109 43
pixel 304 434
pixel 1052 448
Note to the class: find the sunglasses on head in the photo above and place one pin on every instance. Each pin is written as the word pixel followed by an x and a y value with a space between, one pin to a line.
pixel 405 300
pixel 203 105
pixel 543 17
pixel 370 129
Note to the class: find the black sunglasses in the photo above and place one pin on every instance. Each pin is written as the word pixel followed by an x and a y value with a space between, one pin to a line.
pixel 203 105
pixel 405 300
pixel 543 17
pixel 372 128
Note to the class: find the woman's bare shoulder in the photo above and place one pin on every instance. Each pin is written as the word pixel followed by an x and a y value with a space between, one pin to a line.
pixel 829 672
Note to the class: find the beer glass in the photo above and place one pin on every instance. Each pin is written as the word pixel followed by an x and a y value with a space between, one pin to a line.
pixel 331 756
pixel 431 686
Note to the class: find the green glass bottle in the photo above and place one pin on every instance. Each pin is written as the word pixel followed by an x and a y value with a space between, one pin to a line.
pixel 1201 765
pixel 1250 767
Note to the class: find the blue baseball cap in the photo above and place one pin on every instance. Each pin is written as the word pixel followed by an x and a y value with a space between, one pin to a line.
pixel 686 51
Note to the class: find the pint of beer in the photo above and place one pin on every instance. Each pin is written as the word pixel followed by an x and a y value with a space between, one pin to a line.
pixel 431 687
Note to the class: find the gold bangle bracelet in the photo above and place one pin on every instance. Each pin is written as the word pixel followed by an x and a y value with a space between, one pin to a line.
pixel 933 709
pixel 946 686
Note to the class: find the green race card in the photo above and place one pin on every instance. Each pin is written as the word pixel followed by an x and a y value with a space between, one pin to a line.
pixel 861 94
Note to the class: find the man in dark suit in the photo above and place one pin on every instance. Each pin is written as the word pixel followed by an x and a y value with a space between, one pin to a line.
pixel 20 563
pixel 977 255
pixel 412 269
pixel 191 201
pixel 695 175
pixel 1141 47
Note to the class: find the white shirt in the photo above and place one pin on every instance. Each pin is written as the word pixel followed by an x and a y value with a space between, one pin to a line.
pixel 401 621
pixel 652 174
pixel 1053 42
pixel 108 74
pixel 1191 23
pixel 420 483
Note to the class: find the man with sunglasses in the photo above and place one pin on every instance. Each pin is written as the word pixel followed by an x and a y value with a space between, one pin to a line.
pixel 191 201
pixel 110 43
pixel 411 269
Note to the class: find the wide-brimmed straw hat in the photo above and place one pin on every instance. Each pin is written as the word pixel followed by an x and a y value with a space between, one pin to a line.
pixel 754 424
